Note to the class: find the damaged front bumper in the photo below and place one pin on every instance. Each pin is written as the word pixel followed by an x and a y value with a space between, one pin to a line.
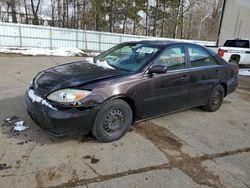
pixel 59 121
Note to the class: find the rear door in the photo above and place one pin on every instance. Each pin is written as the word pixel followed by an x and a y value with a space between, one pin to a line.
pixel 204 75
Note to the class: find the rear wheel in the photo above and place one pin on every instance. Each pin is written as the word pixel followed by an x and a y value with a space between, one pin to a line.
pixel 112 121
pixel 215 99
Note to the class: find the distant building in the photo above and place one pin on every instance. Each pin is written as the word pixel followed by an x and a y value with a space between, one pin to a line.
pixel 235 21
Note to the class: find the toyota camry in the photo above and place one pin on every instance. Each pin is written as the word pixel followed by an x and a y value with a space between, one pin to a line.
pixel 130 82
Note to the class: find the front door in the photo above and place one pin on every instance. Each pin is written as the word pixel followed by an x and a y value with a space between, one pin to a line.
pixel 163 93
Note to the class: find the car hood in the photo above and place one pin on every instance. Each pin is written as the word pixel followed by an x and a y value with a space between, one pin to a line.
pixel 71 75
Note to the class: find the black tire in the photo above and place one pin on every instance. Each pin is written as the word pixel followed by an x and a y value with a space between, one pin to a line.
pixel 112 121
pixel 215 99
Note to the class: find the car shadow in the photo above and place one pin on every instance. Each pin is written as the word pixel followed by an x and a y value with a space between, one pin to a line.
pixel 15 109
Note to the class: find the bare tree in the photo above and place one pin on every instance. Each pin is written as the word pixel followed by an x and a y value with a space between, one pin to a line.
pixel 35 9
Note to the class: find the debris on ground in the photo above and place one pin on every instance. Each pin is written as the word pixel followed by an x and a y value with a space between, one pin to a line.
pixel 22 142
pixel 20 126
pixel 4 166
pixel 93 160
pixel 16 124
pixel 11 119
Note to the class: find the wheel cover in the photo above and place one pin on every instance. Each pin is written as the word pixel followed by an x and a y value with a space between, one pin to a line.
pixel 216 98
pixel 114 121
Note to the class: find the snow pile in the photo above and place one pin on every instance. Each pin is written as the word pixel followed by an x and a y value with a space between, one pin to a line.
pixel 103 64
pixel 48 52
pixel 20 126
pixel 244 72
pixel 38 99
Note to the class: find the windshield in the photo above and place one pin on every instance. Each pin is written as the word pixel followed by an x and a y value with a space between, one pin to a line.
pixel 128 57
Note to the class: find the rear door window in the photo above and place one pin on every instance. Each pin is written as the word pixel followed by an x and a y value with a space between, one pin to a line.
pixel 199 57
pixel 237 43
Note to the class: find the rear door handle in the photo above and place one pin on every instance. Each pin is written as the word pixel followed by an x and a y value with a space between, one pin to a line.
pixel 217 71
pixel 185 77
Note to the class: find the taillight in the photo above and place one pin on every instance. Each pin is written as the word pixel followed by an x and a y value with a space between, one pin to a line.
pixel 221 52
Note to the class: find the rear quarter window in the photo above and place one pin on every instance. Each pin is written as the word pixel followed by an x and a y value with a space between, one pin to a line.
pixel 237 43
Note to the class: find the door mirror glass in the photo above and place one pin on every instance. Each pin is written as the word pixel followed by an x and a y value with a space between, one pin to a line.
pixel 157 69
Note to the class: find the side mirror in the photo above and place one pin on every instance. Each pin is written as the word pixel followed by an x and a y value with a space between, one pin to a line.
pixel 158 69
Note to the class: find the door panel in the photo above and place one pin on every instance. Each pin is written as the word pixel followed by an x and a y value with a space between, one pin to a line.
pixel 164 93
pixel 202 81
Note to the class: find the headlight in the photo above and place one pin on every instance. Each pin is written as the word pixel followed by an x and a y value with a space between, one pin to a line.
pixel 68 95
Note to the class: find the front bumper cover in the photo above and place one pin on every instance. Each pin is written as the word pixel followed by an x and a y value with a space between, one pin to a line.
pixel 60 121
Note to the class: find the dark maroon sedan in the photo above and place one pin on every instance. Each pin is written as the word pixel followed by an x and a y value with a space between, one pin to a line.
pixel 130 82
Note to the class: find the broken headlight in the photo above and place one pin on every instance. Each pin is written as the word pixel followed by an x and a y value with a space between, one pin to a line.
pixel 68 95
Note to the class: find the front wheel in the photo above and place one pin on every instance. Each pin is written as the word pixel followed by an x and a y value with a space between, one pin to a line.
pixel 112 121
pixel 215 99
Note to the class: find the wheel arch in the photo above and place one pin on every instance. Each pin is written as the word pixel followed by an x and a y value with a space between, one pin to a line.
pixel 225 87
pixel 128 100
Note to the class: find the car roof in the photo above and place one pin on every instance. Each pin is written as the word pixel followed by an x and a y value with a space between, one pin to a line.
pixel 162 43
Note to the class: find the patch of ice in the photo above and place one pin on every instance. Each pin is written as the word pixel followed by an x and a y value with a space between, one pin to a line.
pixel 103 64
pixel 20 126
pixel 90 59
pixel 244 72
pixel 38 99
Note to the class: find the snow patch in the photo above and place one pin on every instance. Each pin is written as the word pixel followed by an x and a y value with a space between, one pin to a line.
pixel 103 64
pixel 8 120
pixel 48 52
pixel 244 72
pixel 20 126
pixel 38 99
pixel 90 59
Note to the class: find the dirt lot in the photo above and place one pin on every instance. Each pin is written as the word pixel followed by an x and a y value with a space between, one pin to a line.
pixel 192 148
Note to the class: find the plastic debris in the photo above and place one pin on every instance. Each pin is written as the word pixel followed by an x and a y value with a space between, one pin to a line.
pixel 20 126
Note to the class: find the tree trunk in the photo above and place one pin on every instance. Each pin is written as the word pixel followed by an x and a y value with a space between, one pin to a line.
pixel 59 13
pixel 124 24
pixel 97 27
pixel 111 15
pixel 26 12
pixel 64 13
pixel 181 19
pixel 134 27
pixel 176 16
pixel 78 10
pixel 155 18
pixel 147 19
pixel 163 19
pixel 67 13
pixel 52 13
pixel 12 5
pixel 35 11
